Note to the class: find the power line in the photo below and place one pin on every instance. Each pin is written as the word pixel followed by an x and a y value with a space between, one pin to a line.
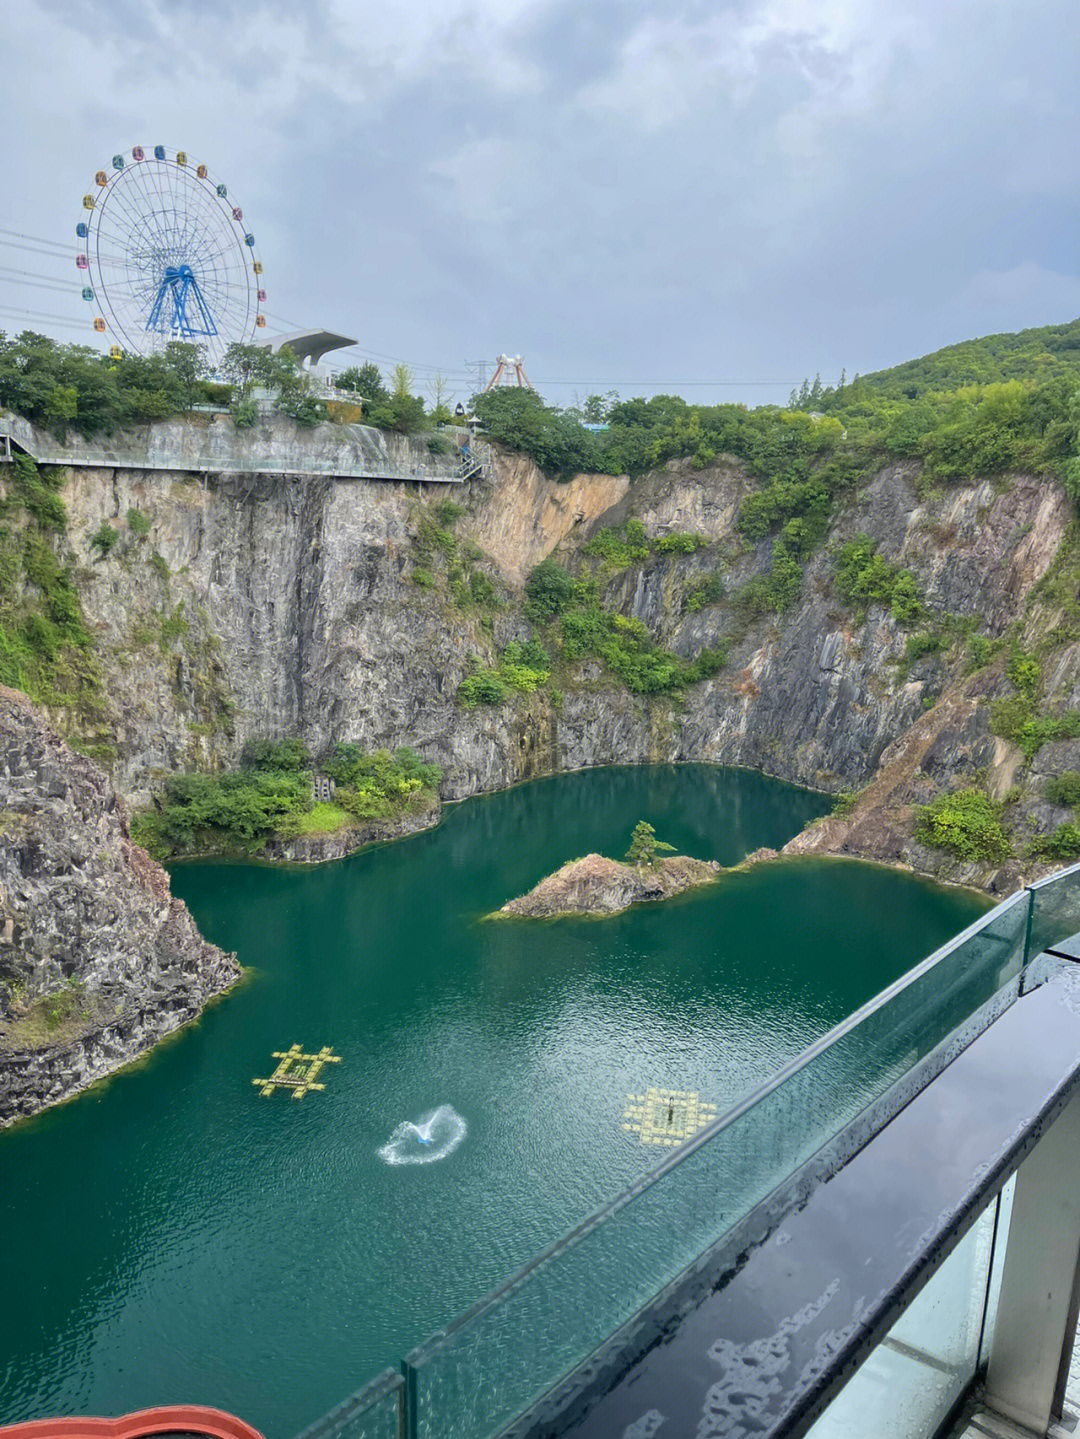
pixel 44 254
pixel 41 315
pixel 40 239
pixel 40 282
pixel 651 384
pixel 37 250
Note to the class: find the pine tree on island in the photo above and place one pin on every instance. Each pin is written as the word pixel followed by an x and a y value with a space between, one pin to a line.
pixel 645 848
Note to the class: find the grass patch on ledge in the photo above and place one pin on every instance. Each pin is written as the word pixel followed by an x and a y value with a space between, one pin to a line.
pixel 53 1018
pixel 966 823
pixel 322 818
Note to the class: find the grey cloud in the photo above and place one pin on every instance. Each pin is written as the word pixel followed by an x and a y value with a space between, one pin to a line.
pixel 793 187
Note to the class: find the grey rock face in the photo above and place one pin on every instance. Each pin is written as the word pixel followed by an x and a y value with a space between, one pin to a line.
pixel 282 607
pixel 98 959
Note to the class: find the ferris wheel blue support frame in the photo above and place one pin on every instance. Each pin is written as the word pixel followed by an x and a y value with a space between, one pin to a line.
pixel 179 290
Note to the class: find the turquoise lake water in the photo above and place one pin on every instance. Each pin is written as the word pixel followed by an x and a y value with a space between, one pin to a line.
pixel 174 1236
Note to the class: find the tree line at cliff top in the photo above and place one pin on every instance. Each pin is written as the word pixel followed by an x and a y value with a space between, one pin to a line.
pixel 73 387
pixel 1004 402
pixel 981 407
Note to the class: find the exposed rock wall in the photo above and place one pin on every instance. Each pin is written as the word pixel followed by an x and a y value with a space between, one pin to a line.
pixel 331 609
pixel 521 516
pixel 269 606
pixel 98 959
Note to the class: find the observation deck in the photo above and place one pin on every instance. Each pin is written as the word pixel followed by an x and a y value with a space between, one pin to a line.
pixel 214 445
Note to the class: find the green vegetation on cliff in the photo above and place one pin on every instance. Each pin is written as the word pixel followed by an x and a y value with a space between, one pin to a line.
pixel 1018 717
pixel 379 784
pixel 965 822
pixel 272 795
pixel 862 577
pixel 1063 788
pixel 1062 843
pixel 1049 353
pixel 774 590
pixel 45 648
pixel 72 386
pixel 629 544
pixel 61 387
pixel 443 556
pixel 577 626
pixel 524 666
pixel 1007 402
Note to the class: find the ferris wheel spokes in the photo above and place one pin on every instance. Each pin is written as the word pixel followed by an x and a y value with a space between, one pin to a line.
pixel 177 289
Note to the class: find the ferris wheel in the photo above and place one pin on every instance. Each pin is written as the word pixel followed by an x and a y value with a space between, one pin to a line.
pixel 166 256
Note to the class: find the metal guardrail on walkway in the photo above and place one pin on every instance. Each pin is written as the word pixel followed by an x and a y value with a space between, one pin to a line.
pixel 350 462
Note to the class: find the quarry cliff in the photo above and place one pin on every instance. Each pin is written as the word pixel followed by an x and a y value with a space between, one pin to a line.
pixel 233 606
pixel 337 610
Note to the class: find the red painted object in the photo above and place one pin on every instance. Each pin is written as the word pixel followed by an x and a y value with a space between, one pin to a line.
pixel 169 1419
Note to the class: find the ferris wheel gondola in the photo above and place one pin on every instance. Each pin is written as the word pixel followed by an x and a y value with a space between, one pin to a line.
pixel 167 256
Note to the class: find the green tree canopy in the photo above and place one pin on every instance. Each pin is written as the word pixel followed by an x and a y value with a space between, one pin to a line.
pixel 365 381
pixel 645 848
pixel 59 386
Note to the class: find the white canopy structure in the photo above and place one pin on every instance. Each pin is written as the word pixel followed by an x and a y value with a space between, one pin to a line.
pixel 309 346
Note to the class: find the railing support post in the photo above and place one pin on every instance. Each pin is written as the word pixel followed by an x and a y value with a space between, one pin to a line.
pixel 1037 1286
pixel 1030 915
pixel 407 1417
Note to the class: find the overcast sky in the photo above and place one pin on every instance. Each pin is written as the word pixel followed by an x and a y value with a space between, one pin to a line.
pixel 709 198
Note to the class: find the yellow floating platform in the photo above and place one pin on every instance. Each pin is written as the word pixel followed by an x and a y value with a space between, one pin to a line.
pixel 297 1071
pixel 666 1116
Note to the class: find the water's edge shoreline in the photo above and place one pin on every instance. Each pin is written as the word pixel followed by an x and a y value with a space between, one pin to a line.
pixel 78 1060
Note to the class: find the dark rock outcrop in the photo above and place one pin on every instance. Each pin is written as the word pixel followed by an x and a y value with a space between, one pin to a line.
pixel 98 959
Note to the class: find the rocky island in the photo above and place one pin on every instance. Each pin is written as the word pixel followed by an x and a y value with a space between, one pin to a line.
pixel 600 886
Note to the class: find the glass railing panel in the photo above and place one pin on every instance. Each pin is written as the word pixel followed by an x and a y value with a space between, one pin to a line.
pixel 376 1412
pixel 914 1377
pixel 502 1356
pixel 1055 910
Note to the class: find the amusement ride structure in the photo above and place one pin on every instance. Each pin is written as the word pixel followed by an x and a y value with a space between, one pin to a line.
pixel 166 255
pixel 509 370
